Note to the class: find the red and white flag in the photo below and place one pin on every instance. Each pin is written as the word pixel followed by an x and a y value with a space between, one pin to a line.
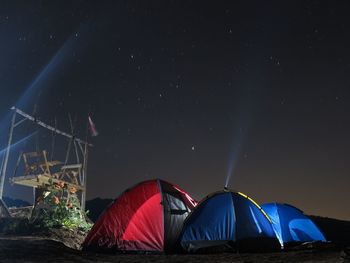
pixel 92 127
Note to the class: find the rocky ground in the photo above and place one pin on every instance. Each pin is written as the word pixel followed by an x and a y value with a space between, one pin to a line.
pixel 41 249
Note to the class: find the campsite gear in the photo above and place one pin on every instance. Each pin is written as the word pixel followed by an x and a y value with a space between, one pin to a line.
pixel 146 217
pixel 228 221
pixel 291 225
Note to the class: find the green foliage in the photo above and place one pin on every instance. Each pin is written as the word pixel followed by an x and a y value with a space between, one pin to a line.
pixel 61 208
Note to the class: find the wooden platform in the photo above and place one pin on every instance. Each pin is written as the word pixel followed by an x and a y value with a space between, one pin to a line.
pixel 40 180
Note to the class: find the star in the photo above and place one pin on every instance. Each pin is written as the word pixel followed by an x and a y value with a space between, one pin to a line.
pixel 192 148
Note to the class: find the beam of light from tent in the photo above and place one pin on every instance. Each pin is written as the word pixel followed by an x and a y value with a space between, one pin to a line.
pixel 233 158
pixel 39 80
pixel 242 118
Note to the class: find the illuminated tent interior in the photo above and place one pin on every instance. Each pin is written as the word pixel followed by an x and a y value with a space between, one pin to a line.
pixel 291 225
pixel 228 221
pixel 146 217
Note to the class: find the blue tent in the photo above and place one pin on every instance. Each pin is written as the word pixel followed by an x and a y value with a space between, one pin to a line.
pixel 227 220
pixel 291 225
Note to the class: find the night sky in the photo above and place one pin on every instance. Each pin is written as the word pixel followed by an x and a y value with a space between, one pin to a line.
pixel 190 92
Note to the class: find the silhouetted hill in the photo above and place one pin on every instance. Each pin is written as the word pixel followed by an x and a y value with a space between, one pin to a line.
pixel 96 207
pixel 337 231
pixel 15 202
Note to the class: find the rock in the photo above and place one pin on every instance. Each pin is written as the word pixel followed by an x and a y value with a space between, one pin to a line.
pixel 70 238
pixel 345 254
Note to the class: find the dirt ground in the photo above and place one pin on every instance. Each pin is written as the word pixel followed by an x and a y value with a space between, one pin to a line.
pixel 38 249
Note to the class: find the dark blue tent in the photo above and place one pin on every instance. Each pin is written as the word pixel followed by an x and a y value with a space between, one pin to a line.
pixel 229 221
pixel 291 225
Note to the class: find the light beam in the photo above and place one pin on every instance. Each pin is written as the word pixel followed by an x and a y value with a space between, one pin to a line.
pixel 233 158
pixel 18 142
pixel 39 80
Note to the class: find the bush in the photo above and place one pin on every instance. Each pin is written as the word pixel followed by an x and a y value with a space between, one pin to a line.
pixel 59 206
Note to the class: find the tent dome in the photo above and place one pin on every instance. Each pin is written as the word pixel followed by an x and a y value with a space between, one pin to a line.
pixel 291 225
pixel 146 217
pixel 228 220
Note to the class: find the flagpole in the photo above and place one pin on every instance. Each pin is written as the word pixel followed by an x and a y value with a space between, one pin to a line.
pixel 90 124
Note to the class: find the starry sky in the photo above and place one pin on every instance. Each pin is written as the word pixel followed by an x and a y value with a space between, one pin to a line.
pixel 193 92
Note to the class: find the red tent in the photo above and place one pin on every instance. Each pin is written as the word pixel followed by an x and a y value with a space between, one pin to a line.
pixel 147 217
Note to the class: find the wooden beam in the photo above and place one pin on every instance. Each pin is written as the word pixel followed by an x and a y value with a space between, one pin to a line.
pixel 49 127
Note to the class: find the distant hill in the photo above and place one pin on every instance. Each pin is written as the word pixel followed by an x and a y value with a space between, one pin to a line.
pixel 10 202
pixel 334 230
pixel 96 207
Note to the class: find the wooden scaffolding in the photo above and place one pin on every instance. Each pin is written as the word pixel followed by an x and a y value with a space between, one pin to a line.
pixel 41 172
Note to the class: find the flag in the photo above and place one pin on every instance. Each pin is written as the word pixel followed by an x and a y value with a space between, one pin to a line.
pixel 92 127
